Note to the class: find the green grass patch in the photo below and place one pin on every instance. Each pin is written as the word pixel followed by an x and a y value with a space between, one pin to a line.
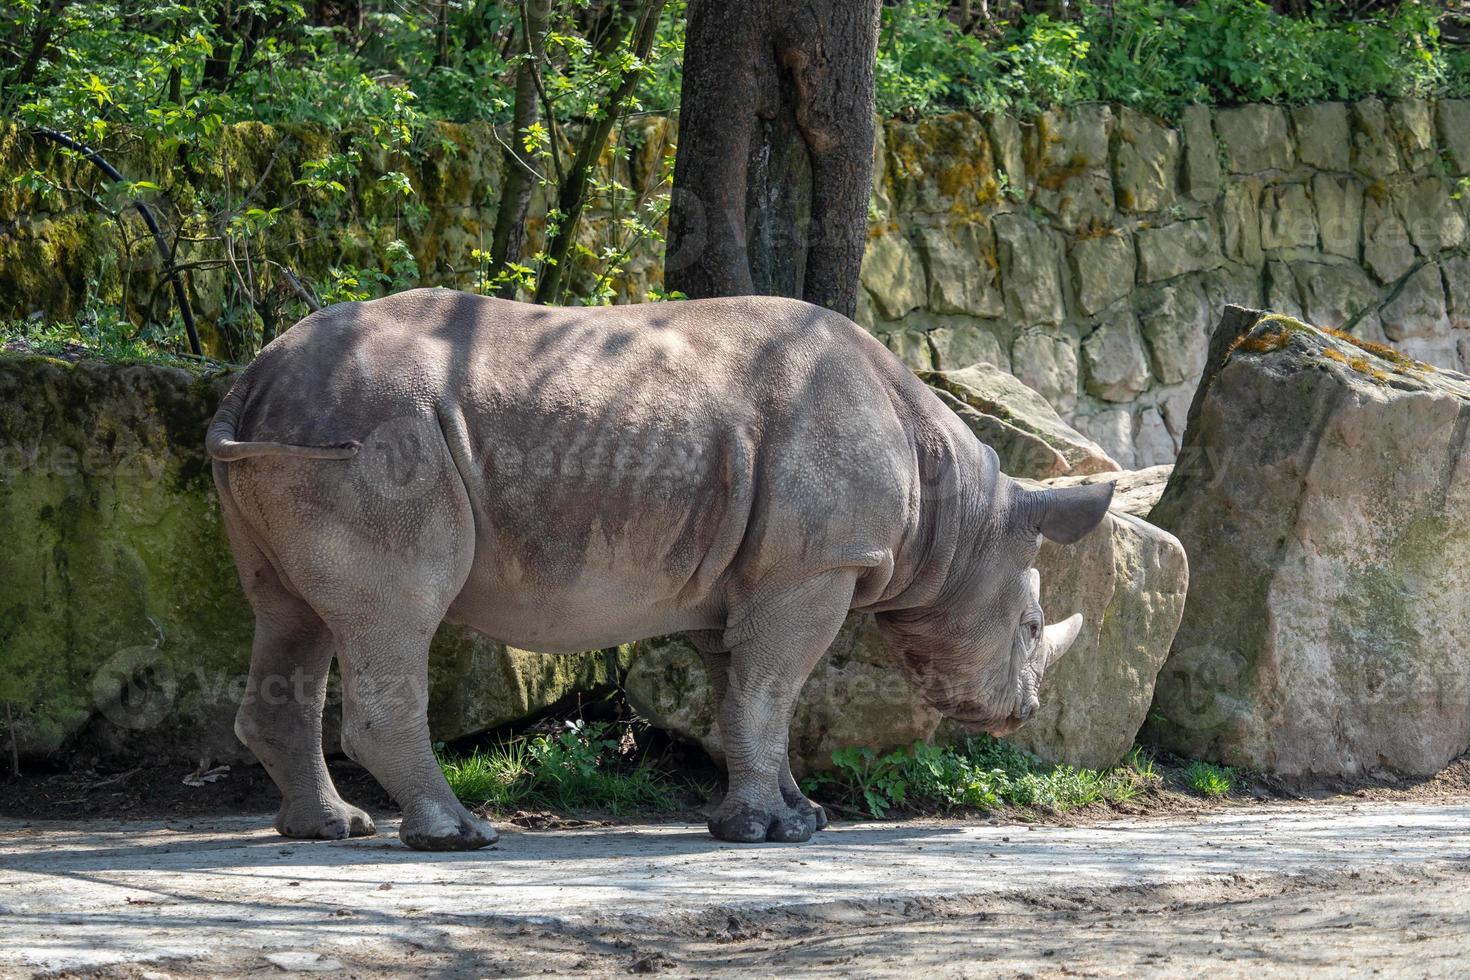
pixel 1210 780
pixel 983 773
pixel 587 766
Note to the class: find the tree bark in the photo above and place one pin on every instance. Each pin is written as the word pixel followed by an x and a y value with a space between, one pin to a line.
pixel 775 159
pixel 520 167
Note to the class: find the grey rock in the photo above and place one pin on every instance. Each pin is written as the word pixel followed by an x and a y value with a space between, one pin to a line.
pixel 1326 632
pixel 962 269
pixel 1456 269
pixel 1175 323
pixel 1008 147
pixel 1412 123
pixel 1128 579
pixel 1255 138
pixel 991 392
pixel 893 275
pixel 1240 220
pixel 1453 118
pixel 964 344
pixel 939 165
pixel 1240 285
pixel 856 696
pixel 1281 289
pixel 1030 263
pixel 911 346
pixel 1388 252
pixel 1339 202
pixel 1113 430
pixel 1201 154
pixel 1374 155
pixel 1145 163
pixel 1117 368
pixel 1176 249
pixel 1153 445
pixel 1288 219
pixel 1103 270
pixel 1048 364
pixel 1430 215
pixel 1072 182
pixel 1323 135
pixel 1419 308
pixel 1333 293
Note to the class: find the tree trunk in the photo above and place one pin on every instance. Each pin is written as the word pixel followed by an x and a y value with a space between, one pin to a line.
pixel 520 167
pixel 775 160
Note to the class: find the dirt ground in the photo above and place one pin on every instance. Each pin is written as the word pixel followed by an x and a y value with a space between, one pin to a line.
pixel 1272 889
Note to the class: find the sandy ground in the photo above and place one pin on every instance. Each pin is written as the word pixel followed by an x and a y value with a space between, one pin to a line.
pixel 1272 890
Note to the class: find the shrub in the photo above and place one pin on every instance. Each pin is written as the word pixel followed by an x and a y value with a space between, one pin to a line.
pixel 985 773
pixel 583 767
pixel 1210 780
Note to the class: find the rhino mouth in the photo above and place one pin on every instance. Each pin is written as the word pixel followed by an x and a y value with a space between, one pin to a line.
pixel 976 719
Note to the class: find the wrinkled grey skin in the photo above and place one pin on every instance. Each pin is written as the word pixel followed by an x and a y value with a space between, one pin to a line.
pixel 745 471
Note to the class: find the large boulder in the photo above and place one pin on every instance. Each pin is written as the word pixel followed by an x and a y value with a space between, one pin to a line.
pixel 1018 423
pixel 1323 495
pixel 1127 578
pixel 123 629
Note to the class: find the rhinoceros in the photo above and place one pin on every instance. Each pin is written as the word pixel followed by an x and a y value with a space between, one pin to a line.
pixel 744 471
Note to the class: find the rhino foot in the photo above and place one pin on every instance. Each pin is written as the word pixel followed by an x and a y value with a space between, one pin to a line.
pixel 432 826
pixel 324 821
pixel 814 812
pixel 742 824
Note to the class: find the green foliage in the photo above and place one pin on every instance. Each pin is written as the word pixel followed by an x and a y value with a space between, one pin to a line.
pixel 175 75
pixel 984 772
pixel 1210 780
pixel 1158 55
pixel 583 767
pixel 97 331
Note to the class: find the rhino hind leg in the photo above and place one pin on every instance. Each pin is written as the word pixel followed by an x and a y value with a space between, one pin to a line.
pixel 781 640
pixel 280 717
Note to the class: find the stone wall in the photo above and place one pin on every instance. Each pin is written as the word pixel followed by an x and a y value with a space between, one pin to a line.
pixel 1085 250
pixel 1082 250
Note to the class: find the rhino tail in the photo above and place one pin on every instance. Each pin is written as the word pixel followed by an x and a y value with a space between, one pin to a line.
pixel 221 444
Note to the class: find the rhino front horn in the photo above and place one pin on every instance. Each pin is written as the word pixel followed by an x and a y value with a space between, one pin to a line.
pixel 1059 636
pixel 1065 514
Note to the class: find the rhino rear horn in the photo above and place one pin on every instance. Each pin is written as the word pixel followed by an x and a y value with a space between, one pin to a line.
pixel 1065 514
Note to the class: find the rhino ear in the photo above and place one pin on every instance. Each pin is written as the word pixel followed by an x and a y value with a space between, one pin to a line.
pixel 1065 514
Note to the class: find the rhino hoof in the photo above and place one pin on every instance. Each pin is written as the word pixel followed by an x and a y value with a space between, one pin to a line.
pixel 429 826
pixel 331 822
pixel 747 825
pixel 817 813
pixel 792 828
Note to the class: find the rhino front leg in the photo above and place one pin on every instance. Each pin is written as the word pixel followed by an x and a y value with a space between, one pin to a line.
pixel 716 660
pixel 794 797
pixel 385 728
pixel 778 643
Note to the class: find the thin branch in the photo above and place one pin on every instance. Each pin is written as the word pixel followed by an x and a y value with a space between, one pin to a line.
pixel 180 297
